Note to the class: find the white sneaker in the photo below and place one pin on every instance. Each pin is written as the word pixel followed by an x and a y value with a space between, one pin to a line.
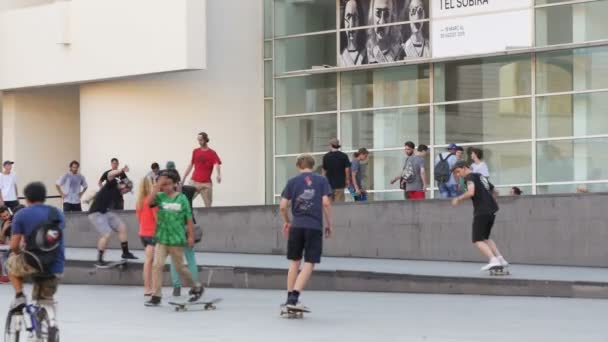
pixel 493 263
pixel 503 262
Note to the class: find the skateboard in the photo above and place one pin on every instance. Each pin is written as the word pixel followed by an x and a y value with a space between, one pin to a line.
pixel 207 305
pixel 119 265
pixel 293 313
pixel 499 271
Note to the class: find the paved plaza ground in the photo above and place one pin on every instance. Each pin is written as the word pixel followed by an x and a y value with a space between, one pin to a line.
pixel 117 314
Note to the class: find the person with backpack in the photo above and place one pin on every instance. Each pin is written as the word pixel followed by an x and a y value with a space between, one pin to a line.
pixel 446 182
pixel 39 228
pixel 412 179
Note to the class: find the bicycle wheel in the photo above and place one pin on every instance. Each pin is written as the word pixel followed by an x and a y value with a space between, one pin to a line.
pixel 12 328
pixel 45 332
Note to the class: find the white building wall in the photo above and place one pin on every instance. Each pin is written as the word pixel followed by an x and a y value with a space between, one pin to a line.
pixel 156 118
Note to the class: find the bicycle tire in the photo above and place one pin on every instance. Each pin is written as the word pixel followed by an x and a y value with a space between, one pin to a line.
pixel 8 336
pixel 52 333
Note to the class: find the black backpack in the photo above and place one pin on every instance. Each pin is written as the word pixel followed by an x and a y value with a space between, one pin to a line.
pixel 442 169
pixel 42 245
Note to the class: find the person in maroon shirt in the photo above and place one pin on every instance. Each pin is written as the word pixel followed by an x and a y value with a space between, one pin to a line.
pixel 203 161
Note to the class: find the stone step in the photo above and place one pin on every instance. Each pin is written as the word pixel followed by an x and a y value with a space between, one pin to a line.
pixel 358 274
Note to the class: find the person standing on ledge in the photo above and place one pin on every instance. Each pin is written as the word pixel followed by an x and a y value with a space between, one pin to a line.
pixel 119 201
pixel 71 186
pixel 9 195
pixel 309 195
pixel 204 160
pixel 481 192
pixel 336 167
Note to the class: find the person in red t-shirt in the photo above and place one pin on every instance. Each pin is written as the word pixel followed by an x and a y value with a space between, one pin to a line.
pixel 204 160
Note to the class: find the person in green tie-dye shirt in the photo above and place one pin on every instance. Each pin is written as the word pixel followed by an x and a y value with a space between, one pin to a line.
pixel 173 210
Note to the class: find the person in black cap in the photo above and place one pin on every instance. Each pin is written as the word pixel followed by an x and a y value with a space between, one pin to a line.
pixel 482 193
pixel 336 168
pixel 9 195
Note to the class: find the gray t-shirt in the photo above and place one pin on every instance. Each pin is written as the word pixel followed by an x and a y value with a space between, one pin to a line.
pixel 416 184
pixel 72 185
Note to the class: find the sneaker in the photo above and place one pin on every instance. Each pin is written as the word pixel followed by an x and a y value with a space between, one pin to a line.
pixel 4 280
pixel 298 306
pixel 492 264
pixel 101 263
pixel 153 301
pixel 177 292
pixel 129 256
pixel 18 303
pixel 196 293
pixel 503 262
pixel 147 295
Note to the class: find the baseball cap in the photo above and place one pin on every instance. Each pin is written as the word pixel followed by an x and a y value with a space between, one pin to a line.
pixel 452 147
pixel 335 143
pixel 170 165
pixel 8 162
pixel 459 165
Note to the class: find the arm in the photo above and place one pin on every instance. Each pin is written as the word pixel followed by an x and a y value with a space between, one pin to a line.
pixel 84 186
pixel 348 181
pixel 354 175
pixel 423 176
pixel 218 169
pixel 284 215
pixel 327 215
pixel 151 199
pixel 59 190
pixel 187 172
pixel 17 192
pixel 5 227
pixel 16 243
pixel 114 173
pixel 469 194
pixel 190 230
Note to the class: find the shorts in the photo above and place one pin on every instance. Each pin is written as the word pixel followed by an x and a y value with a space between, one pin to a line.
pixel 67 207
pixel 106 223
pixel 307 242
pixel 482 227
pixel 45 286
pixel 148 241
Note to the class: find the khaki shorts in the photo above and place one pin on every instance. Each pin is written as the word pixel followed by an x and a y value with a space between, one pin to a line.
pixel 205 190
pixel 45 287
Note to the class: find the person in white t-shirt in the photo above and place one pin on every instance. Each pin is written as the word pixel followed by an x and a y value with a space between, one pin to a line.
pixel 8 186
pixel 479 166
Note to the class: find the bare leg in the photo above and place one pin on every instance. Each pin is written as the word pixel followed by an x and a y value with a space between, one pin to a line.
pixel 122 233
pixel 148 261
pixel 493 247
pixel 17 283
pixel 102 244
pixel 304 276
pixel 485 249
pixel 292 274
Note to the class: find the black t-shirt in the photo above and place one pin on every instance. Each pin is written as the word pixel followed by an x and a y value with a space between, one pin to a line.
pixel 104 176
pixel 335 163
pixel 483 201
pixel 106 198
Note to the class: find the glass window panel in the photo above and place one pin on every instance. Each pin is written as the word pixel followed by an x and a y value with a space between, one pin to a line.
pixel 385 128
pixel 571 23
pixel 483 78
pixel 572 115
pixel 305 133
pixel 267 49
pixel 297 16
pixel 382 167
pixel 304 53
pixel 508 119
pixel 571 188
pixel 268 150
pixel 543 2
pixel 286 168
pixel 568 70
pixel 572 160
pixel 268 79
pixel 268 19
pixel 385 87
pixel 306 94
pixel 507 163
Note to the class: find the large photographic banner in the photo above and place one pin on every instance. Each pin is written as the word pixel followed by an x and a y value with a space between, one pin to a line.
pixel 383 31
pixel 467 27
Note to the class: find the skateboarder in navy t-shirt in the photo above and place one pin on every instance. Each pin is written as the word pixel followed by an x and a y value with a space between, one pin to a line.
pixel 482 193
pixel 309 195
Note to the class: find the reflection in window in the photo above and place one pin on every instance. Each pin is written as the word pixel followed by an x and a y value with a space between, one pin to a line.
pixel 297 16
pixel 385 128
pixel 305 133
pixel 571 188
pixel 508 119
pixel 483 78
pixel 568 70
pixel 306 94
pixel 286 168
pixel 572 160
pixel 304 53
pixel 571 23
pixel 383 166
pixel 268 79
pixel 572 115
pixel 385 87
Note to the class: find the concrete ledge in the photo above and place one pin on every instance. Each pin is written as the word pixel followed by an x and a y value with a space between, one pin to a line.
pixel 561 230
